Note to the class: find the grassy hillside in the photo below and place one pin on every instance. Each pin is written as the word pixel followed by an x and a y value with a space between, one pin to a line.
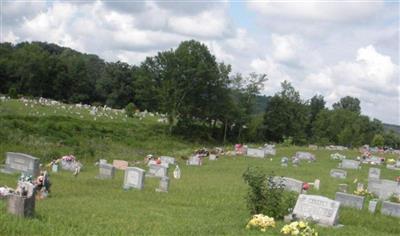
pixel 208 200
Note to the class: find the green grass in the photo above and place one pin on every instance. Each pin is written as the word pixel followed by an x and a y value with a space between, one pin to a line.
pixel 207 200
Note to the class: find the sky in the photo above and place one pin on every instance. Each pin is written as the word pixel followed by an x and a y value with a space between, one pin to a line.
pixel 330 48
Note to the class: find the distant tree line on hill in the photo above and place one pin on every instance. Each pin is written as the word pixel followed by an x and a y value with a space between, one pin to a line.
pixel 199 95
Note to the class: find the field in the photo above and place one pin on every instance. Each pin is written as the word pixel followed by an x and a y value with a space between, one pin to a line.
pixel 207 200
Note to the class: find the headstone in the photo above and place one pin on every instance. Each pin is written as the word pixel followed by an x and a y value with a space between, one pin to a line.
pixel 269 150
pixel 20 162
pixel 372 206
pixel 106 171
pixel 134 178
pixel 284 161
pixel 164 184
pixel 374 174
pixel 212 157
pixel 349 164
pixel 152 162
pixel 194 161
pixel 390 209
pixel 320 209
pixel 103 161
pixel 120 164
pixel 337 173
pixel 157 171
pixel 255 152
pixel 167 159
pixel 54 168
pixel 383 188
pixel 290 184
pixel 295 161
pixel 306 156
pixel 342 188
pixel 350 200
pixel 21 206
pixel 316 184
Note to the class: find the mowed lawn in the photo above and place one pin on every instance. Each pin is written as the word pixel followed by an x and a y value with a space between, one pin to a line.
pixel 207 200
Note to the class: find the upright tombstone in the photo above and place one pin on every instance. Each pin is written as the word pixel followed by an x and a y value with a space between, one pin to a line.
pixel 157 170
pixel 106 171
pixel 320 209
pixel 337 173
pixel 374 174
pixel 305 156
pixel 390 209
pixel 350 200
pixel 255 152
pixel 23 206
pixel 212 157
pixel 383 188
pixel 54 168
pixel 167 159
pixel 194 161
pixel 349 164
pixel 317 183
pixel 269 150
pixel 20 162
pixel 134 178
pixel 120 164
pixel 290 184
pixel 164 185
pixel 103 161
pixel 284 161
pixel 372 205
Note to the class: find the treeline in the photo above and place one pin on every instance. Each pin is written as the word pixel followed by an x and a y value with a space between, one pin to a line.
pixel 200 96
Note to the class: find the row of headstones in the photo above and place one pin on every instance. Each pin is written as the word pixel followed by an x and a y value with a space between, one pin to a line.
pixel 134 176
pixel 354 201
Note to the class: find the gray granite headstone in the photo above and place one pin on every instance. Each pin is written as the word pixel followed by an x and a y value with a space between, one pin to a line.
pixel 306 156
pixel 290 184
pixel 106 171
pixel 383 188
pixel 164 185
pixel 374 173
pixel 194 161
pixel 167 159
pixel 337 173
pixel 390 209
pixel 349 164
pixel 350 200
pixel 134 178
pixel 320 209
pixel 157 170
pixel 212 157
pixel 372 206
pixel 255 152
pixel 21 206
pixel 20 162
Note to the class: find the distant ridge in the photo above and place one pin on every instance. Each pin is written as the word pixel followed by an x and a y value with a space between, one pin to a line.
pixel 395 128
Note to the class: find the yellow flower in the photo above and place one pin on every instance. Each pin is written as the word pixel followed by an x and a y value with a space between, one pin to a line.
pixel 286 229
pixel 263 229
pixel 295 232
pixel 302 224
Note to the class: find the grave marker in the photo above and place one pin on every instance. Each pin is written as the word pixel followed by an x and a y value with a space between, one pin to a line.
pixel 134 178
pixel 255 152
pixel 349 164
pixel 320 209
pixel 20 162
pixel 290 183
pixel 350 200
pixel 120 164
pixel 106 171
pixel 374 174
pixel 390 209
pixel 337 173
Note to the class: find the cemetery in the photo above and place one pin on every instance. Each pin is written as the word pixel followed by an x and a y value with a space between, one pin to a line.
pixel 179 189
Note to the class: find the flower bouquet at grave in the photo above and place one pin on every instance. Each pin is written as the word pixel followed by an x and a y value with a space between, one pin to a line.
pixel 395 198
pixel 261 222
pixel 364 192
pixel 299 228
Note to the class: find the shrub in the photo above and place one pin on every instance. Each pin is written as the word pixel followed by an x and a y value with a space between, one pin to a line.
pixel 266 196
pixel 130 109
pixel 287 141
pixel 12 92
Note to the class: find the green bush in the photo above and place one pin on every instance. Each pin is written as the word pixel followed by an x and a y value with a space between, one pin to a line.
pixel 12 92
pixel 287 141
pixel 130 109
pixel 266 196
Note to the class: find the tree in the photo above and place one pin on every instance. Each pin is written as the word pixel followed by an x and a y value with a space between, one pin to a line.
pixel 348 103
pixel 286 116
pixel 317 104
pixel 378 141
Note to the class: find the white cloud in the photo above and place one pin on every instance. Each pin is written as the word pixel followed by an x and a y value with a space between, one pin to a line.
pixel 321 11
pixel 372 77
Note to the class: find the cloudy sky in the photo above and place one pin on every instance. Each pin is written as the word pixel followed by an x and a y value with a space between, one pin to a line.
pixel 330 48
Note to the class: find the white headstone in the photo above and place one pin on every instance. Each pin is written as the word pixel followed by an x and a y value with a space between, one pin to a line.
pixel 134 178
pixel 255 152
pixel 374 173
pixel 320 209
pixel 350 164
